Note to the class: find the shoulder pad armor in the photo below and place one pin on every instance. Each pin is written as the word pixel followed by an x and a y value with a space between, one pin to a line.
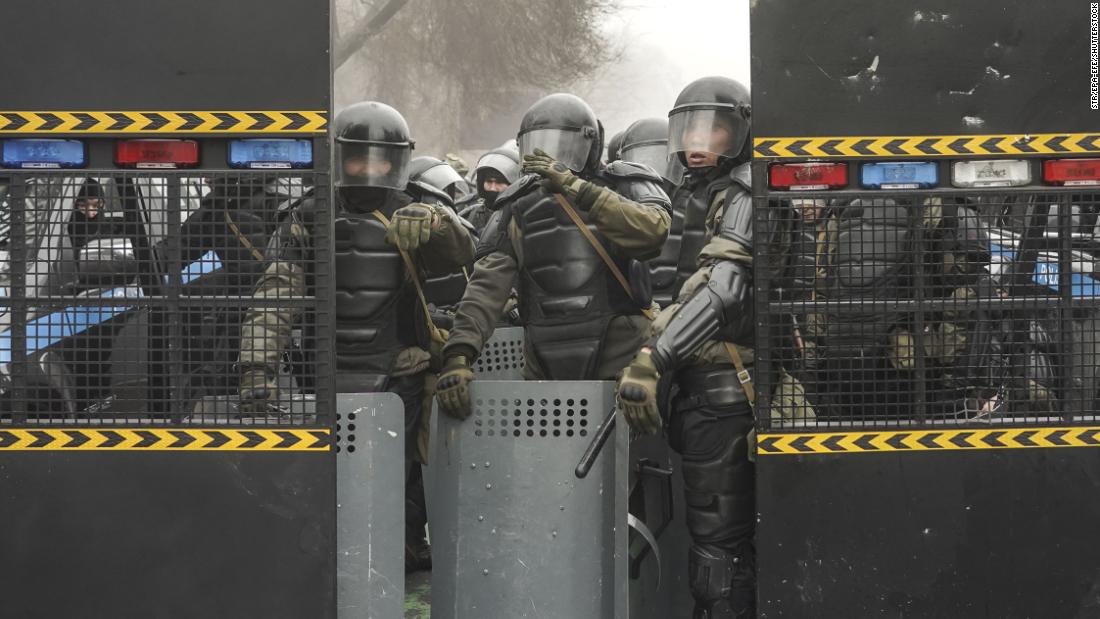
pixel 637 171
pixel 421 192
pixel 519 188
pixel 464 222
pixel 495 234
pixel 742 175
pixel 469 208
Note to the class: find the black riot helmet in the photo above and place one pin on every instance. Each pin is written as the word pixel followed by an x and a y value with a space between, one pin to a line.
pixel 436 173
pixel 646 141
pixel 501 164
pixel 614 146
pixel 711 115
pixel 373 147
pixel 566 128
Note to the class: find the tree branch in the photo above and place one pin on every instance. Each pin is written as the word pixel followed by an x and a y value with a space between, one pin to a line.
pixel 364 29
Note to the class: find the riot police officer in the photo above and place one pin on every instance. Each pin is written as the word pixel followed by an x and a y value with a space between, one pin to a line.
pixel 384 338
pixel 437 174
pixel 433 181
pixel 646 142
pixel 584 312
pixel 705 343
pixel 495 170
pixel 613 146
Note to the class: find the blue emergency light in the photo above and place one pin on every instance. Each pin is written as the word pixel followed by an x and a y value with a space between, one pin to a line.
pixel 900 175
pixel 266 154
pixel 44 153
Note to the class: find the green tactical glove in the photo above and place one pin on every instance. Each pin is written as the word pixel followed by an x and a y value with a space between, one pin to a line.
pixel 453 387
pixel 637 394
pixel 557 177
pixel 258 392
pixel 411 226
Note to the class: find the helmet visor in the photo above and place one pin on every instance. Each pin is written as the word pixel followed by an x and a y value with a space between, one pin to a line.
pixel 674 173
pixel 654 155
pixel 569 147
pixel 372 165
pixel 442 177
pixel 718 132
pixel 503 165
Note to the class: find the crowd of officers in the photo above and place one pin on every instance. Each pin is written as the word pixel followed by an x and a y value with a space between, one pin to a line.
pixel 636 269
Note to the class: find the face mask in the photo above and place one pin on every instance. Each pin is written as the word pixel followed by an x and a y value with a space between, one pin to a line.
pixel 363 199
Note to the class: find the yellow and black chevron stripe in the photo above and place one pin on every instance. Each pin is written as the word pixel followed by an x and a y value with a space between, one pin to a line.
pixel 928 146
pixel 266 122
pixel 926 440
pixel 161 439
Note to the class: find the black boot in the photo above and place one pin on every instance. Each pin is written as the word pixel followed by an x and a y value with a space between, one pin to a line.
pixel 723 583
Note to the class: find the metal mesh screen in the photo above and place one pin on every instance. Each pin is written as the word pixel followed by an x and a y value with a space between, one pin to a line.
pixel 123 295
pixel 920 308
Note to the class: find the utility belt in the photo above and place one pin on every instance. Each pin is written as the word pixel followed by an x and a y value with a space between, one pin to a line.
pixel 715 387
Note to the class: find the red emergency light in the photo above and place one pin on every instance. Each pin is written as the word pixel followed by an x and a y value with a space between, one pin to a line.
pixel 808 176
pixel 157 154
pixel 1072 172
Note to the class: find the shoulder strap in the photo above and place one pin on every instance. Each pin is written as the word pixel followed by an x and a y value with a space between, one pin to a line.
pixel 242 239
pixel 743 374
pixel 411 268
pixel 596 245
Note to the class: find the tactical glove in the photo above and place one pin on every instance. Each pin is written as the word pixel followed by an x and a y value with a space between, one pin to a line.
pixel 637 394
pixel 557 177
pixel 453 387
pixel 411 226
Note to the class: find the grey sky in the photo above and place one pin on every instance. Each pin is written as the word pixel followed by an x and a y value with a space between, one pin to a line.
pixel 665 45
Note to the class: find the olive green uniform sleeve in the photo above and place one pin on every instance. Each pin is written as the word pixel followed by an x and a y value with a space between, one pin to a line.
pixel 638 229
pixel 487 292
pixel 266 328
pixel 450 247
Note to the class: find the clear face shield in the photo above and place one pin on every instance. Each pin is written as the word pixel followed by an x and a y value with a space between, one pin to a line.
pixel 569 146
pixel 708 131
pixel 654 155
pixel 372 165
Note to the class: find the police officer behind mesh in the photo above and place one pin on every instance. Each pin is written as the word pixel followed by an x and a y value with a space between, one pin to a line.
pixel 383 336
pixel 646 142
pixel 583 315
pixel 85 222
pixel 705 343
pixel 495 170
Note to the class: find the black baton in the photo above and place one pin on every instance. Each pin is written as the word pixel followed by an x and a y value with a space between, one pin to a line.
pixel 596 446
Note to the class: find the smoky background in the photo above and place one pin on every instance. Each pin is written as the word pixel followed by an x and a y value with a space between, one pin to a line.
pixel 463 72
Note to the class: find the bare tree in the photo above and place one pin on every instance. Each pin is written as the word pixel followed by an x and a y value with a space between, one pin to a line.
pixel 352 39
pixel 443 62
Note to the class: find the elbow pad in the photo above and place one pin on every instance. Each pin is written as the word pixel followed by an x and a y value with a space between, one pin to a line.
pixel 724 302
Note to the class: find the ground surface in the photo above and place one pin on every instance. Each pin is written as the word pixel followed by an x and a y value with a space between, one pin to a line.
pixel 418 595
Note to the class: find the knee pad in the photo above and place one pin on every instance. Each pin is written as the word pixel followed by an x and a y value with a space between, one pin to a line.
pixel 719 492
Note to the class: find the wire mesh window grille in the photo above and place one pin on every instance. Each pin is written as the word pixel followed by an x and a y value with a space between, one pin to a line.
pixel 928 308
pixel 124 293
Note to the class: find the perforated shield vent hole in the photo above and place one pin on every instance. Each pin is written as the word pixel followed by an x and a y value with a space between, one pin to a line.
pixel 498 356
pixel 345 433
pixel 531 418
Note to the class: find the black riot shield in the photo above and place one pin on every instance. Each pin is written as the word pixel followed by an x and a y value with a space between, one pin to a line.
pixel 141 190
pixel 930 418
